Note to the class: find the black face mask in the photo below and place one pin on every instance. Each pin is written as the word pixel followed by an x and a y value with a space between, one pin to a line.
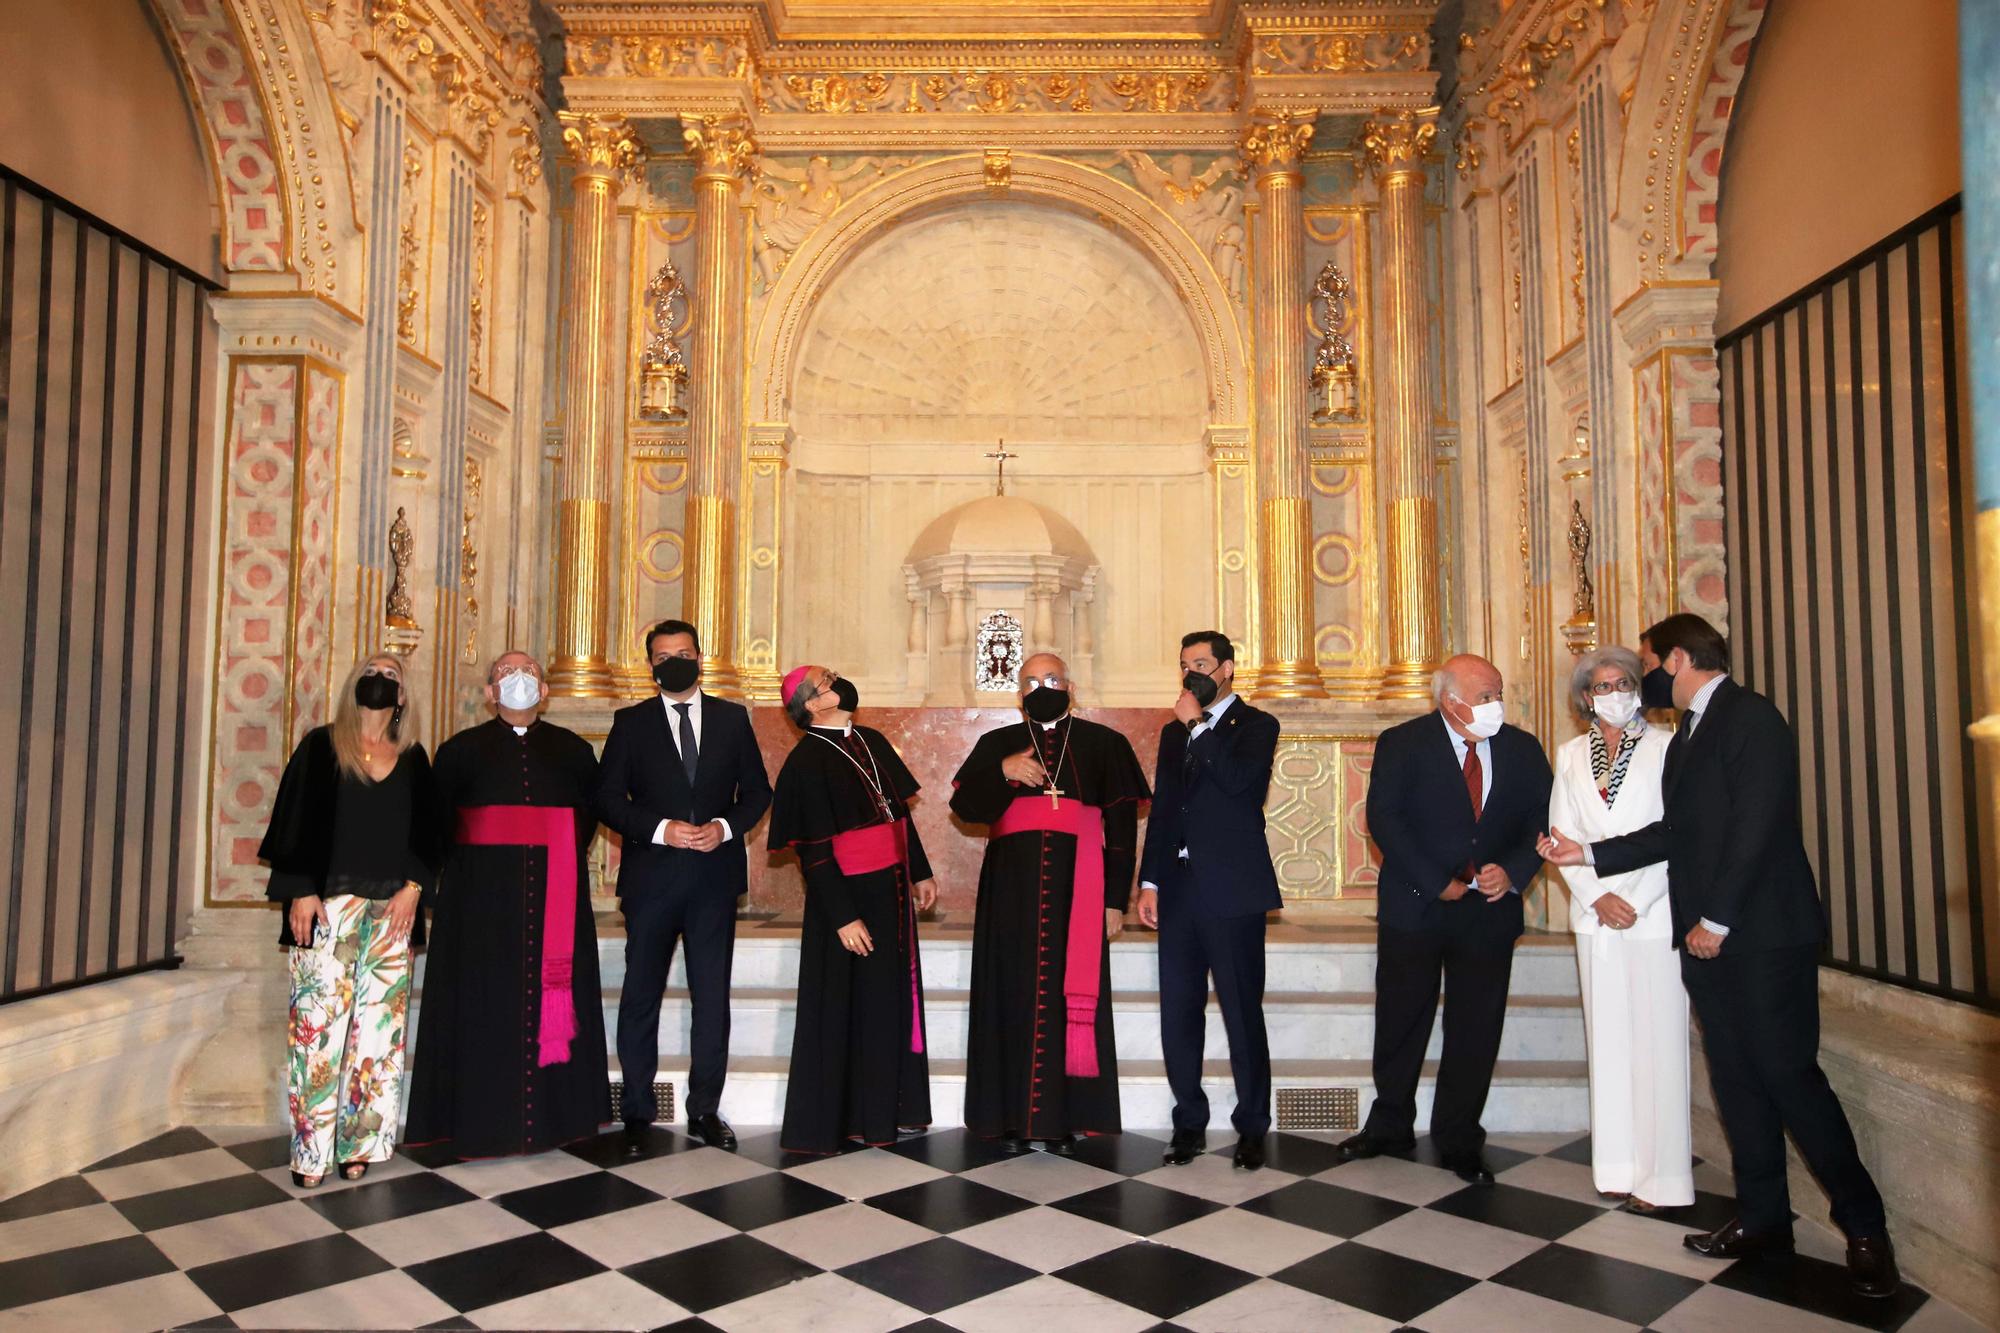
pixel 676 675
pixel 1656 689
pixel 846 695
pixel 376 692
pixel 1201 686
pixel 1046 705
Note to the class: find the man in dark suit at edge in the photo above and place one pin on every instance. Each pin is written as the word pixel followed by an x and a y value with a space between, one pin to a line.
pixel 1747 921
pixel 683 783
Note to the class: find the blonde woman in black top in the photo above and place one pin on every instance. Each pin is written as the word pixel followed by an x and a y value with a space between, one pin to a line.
pixel 353 847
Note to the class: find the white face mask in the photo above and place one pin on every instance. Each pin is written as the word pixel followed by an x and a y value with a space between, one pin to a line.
pixel 1618 708
pixel 1486 719
pixel 520 692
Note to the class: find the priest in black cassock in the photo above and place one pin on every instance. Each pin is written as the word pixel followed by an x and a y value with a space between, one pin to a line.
pixel 510 1041
pixel 859 1069
pixel 1061 798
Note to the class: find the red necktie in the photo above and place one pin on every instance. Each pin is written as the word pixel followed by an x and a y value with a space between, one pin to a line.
pixel 1474 779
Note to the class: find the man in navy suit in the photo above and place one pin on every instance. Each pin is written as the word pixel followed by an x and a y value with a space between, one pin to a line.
pixel 1205 883
pixel 1456 799
pixel 682 782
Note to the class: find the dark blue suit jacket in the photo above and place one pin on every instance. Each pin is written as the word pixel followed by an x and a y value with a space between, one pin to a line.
pixel 1420 816
pixel 1218 814
pixel 641 781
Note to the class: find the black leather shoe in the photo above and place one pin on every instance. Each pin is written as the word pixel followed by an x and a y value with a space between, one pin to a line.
pixel 714 1131
pixel 1062 1147
pixel 1469 1167
pixel 1731 1241
pixel 1011 1144
pixel 1364 1145
pixel 1187 1144
pixel 635 1140
pixel 1871 1267
pixel 1250 1152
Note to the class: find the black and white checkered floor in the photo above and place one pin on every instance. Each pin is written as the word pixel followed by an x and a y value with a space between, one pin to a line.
pixel 204 1229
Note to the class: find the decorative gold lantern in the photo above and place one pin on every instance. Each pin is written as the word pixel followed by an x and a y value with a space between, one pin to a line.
pixel 663 368
pixel 1333 364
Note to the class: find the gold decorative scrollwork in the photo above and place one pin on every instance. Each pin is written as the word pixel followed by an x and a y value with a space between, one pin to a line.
pixel 1400 142
pixel 720 145
pixel 601 145
pixel 1277 141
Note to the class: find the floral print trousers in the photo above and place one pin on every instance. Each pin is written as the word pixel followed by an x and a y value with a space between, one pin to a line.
pixel 350 1010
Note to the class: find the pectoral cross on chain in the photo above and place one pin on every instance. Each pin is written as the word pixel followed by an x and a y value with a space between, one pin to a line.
pixel 1054 793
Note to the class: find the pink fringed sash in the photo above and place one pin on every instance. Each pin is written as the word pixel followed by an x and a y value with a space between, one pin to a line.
pixel 863 851
pixel 552 828
pixel 1034 814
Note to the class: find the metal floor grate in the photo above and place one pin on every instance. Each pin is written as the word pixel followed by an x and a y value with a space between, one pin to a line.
pixel 1319 1108
pixel 663 1101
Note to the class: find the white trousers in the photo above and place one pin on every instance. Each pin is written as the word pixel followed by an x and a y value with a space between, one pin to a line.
pixel 1635 1020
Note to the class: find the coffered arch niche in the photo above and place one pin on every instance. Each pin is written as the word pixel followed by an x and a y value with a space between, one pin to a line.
pixel 982 315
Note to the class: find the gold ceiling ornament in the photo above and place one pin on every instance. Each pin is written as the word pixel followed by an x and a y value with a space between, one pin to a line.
pixel 601 145
pixel 1275 141
pixel 720 145
pixel 999 170
pixel 1399 142
pixel 1077 90
pixel 1340 52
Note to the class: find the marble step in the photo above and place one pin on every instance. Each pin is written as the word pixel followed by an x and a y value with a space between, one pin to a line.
pixel 1543 965
pixel 1299 1025
pixel 1528 1096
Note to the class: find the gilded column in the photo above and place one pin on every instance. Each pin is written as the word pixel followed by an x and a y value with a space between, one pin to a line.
pixel 1397 147
pixel 603 150
pixel 722 150
pixel 1272 146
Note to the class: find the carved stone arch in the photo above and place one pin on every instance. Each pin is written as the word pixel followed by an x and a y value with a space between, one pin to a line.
pixel 1692 69
pixel 251 71
pixel 1033 177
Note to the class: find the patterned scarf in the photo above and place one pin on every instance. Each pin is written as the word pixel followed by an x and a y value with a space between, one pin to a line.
pixel 1607 769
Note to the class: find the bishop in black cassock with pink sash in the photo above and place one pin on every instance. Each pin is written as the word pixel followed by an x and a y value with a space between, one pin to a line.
pixel 1041 1061
pixel 859 1066
pixel 510 1053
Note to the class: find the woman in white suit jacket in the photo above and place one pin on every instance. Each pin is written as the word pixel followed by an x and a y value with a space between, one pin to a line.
pixel 1635 1012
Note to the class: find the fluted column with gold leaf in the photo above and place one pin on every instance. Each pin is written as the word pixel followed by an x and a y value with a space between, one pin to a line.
pixel 722 149
pixel 1397 147
pixel 603 152
pixel 1272 147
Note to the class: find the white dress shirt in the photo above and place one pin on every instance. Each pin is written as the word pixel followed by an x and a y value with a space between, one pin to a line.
pixel 674 730
pixel 1215 712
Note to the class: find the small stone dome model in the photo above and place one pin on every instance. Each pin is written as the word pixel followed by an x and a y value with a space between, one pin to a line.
pixel 996 524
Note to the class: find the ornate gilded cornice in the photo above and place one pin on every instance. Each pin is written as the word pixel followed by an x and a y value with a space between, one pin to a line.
pixel 1276 141
pixel 600 145
pixel 1401 142
pixel 719 145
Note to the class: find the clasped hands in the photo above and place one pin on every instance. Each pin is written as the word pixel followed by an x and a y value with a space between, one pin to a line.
pixel 694 837
pixel 854 936
pixel 1491 883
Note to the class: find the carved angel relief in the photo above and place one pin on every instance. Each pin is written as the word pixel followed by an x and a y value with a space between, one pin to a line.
pixel 1210 213
pixel 792 202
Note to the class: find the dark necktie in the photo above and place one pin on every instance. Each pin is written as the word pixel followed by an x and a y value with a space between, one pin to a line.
pixel 1678 745
pixel 690 754
pixel 1475 778
pixel 1187 754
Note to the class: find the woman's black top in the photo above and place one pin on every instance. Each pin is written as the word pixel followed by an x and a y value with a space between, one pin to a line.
pixel 332 833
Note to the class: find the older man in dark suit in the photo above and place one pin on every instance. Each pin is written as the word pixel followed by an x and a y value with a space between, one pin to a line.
pixel 1456 799
pixel 1747 921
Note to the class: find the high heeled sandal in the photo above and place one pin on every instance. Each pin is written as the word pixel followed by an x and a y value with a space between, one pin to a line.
pixel 353 1170
pixel 306 1182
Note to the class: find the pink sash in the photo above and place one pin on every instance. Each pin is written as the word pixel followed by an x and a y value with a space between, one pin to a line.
pixel 1034 814
pixel 552 828
pixel 863 851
